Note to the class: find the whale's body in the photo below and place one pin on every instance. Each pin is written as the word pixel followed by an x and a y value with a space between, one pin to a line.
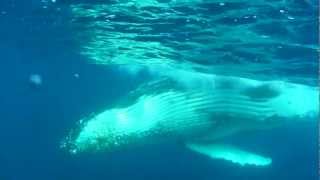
pixel 169 110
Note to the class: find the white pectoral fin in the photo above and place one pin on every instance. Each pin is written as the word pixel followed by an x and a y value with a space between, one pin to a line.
pixel 230 153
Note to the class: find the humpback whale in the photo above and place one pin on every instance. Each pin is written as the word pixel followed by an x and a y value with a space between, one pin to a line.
pixel 169 109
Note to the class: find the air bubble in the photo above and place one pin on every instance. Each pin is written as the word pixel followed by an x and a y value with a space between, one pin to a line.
pixel 35 79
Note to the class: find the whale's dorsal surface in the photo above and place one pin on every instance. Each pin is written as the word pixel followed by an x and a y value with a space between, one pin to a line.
pixel 199 115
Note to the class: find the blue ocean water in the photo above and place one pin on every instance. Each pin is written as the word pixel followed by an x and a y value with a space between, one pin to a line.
pixel 38 37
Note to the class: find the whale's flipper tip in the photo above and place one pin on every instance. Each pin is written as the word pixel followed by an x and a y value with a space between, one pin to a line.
pixel 230 153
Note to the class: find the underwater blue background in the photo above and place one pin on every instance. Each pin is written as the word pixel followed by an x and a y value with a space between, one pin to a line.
pixel 34 119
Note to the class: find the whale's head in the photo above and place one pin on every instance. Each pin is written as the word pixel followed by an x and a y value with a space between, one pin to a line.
pixel 114 128
pixel 106 131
